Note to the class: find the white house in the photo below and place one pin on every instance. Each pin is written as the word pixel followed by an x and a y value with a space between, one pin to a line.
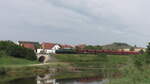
pixel 46 79
pixel 48 48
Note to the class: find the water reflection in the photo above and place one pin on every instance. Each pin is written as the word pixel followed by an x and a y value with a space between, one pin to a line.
pixel 47 79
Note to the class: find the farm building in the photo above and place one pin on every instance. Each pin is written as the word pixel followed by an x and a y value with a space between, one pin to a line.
pixel 29 44
pixel 48 48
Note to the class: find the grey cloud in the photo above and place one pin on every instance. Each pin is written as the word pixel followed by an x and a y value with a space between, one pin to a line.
pixel 76 21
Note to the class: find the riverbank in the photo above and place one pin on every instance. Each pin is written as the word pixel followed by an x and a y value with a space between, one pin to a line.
pixel 69 66
pixel 10 61
pixel 12 72
pixel 67 62
pixel 136 71
pixel 11 66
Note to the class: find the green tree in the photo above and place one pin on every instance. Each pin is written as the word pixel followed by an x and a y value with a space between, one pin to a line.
pixel 91 47
pixel 139 60
pixel 147 56
pixel 132 49
pixel 15 50
pixel 3 54
pixel 148 49
pixel 142 51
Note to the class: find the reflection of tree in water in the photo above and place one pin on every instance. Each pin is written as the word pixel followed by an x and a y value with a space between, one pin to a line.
pixel 46 79
pixel 30 80
pixel 85 80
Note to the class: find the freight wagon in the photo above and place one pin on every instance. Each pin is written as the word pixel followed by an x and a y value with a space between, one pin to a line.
pixel 111 52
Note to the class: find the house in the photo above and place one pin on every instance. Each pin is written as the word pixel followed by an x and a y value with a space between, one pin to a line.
pixel 80 46
pixel 66 46
pixel 46 79
pixel 136 49
pixel 29 44
pixel 48 48
pixel 125 49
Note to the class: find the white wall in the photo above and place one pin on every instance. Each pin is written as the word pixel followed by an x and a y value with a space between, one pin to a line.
pixel 49 51
pixel 56 47
pixel 39 50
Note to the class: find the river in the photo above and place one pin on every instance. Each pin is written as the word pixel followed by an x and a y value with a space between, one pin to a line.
pixel 47 79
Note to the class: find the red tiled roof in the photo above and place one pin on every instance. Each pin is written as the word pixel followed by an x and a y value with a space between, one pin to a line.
pixel 81 46
pixel 66 46
pixel 28 45
pixel 47 45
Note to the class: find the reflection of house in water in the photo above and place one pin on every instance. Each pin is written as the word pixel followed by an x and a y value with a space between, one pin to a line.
pixel 46 79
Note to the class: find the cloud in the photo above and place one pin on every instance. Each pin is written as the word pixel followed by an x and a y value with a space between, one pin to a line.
pixel 76 21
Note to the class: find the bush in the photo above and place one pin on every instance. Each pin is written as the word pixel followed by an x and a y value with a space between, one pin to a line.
pixel 102 57
pixel 139 60
pixel 91 47
pixel 3 53
pixel 15 50
pixel 2 71
pixel 147 55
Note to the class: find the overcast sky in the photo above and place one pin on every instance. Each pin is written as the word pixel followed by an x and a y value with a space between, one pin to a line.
pixel 76 21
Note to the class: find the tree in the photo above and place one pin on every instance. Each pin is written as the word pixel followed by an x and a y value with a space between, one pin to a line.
pixel 148 49
pixel 3 53
pixel 132 49
pixel 147 56
pixel 144 58
pixel 142 51
pixel 91 47
pixel 12 49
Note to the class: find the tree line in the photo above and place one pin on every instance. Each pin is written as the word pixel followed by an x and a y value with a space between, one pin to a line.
pixel 9 48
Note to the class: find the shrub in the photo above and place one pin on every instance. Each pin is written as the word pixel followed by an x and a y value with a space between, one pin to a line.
pixel 147 55
pixel 102 57
pixel 3 53
pixel 139 60
pixel 15 50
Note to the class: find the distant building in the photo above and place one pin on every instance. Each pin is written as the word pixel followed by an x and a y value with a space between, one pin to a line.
pixel 46 79
pixel 136 49
pixel 28 44
pixel 66 47
pixel 48 48
pixel 81 46
pixel 126 49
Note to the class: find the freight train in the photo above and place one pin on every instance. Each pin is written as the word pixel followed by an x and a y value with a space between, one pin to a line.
pixel 111 52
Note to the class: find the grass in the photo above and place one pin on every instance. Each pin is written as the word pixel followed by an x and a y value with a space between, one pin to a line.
pixel 12 61
pixel 131 73
pixel 112 64
pixel 118 60
pixel 92 60
pixel 77 57
pixel 124 64
pixel 81 60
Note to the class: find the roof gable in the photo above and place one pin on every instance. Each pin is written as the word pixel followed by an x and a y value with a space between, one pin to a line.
pixel 48 45
pixel 28 45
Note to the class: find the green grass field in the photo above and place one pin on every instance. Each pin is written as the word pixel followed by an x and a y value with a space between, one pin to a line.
pixel 123 64
pixel 8 61
pixel 87 60
pixel 130 73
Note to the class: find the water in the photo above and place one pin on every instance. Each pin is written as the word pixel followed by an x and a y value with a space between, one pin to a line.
pixel 47 79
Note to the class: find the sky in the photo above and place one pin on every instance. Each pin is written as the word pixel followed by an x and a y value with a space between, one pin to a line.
pixel 96 22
